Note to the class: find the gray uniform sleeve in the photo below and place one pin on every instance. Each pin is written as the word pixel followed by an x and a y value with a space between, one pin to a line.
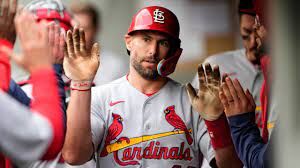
pixel 97 120
pixel 203 140
pixel 25 135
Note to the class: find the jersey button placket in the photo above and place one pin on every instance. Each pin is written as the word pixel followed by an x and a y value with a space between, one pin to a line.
pixel 146 124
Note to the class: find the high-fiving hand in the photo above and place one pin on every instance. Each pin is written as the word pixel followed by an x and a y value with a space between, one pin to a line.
pixel 80 64
pixel 234 99
pixel 206 101
pixel 34 41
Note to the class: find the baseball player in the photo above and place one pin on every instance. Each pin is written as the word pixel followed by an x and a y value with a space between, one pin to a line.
pixel 239 106
pixel 25 135
pixel 46 11
pixel 242 63
pixel 143 119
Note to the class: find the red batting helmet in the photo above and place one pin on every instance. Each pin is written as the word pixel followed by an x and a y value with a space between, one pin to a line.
pixel 51 10
pixel 156 18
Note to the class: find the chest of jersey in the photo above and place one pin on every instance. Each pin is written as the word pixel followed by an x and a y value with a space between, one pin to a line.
pixel 144 131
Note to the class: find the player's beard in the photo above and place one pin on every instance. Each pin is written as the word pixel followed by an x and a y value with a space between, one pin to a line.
pixel 150 74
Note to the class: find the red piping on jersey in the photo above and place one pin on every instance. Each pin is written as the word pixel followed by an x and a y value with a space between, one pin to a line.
pixel 265 65
pixel 48 105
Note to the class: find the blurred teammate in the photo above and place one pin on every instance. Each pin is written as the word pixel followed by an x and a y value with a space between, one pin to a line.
pixel 28 135
pixel 89 18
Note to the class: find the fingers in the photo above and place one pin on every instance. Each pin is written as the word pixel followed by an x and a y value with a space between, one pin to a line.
pixel 201 77
pixel 61 44
pixel 76 40
pixel 12 10
pixel 43 33
pixel 223 99
pixel 51 33
pixel 82 40
pixel 191 92
pixel 226 92
pixel 216 76
pixel 239 89
pixel 1 8
pixel 14 7
pixel 250 98
pixel 70 45
pixel 25 22
pixel 56 37
pixel 95 52
pixel 5 8
pixel 208 71
pixel 224 76
pixel 232 89
pixel 66 53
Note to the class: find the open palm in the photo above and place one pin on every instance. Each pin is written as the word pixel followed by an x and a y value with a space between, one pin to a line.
pixel 206 101
pixel 79 64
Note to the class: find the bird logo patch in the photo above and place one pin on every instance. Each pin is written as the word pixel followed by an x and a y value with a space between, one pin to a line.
pixel 178 124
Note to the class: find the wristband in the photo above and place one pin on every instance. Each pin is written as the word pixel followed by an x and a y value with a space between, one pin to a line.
pixel 219 132
pixel 81 85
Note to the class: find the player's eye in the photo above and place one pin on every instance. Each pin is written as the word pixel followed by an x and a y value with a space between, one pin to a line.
pixel 165 43
pixel 146 39
pixel 245 37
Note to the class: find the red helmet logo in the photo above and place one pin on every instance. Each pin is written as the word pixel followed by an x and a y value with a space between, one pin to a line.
pixel 156 18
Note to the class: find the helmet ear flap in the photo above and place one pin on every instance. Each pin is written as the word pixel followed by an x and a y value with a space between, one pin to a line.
pixel 167 66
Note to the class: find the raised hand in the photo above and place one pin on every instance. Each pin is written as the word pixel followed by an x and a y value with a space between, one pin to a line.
pixel 234 99
pixel 80 64
pixel 206 101
pixel 57 40
pixel 7 15
pixel 34 43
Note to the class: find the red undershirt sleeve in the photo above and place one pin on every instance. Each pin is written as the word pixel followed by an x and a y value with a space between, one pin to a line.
pixel 47 103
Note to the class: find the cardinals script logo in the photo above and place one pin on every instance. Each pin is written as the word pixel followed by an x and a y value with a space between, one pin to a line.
pixel 131 154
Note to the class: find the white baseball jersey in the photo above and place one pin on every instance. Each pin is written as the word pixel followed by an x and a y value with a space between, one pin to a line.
pixel 236 65
pixel 132 129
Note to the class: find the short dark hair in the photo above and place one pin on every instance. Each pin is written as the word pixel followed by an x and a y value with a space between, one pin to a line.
pixel 89 9
pixel 246 7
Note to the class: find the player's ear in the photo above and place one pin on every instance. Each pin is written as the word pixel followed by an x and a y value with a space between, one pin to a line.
pixel 128 41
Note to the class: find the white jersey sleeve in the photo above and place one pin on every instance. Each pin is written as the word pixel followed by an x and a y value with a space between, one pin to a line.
pixel 25 135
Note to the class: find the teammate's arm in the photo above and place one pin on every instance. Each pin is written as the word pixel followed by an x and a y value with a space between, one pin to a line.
pixel 208 104
pixel 80 66
pixel 248 143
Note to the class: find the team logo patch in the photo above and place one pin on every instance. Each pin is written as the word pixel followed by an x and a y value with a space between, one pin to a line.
pixel 174 120
pixel 131 154
pixel 158 16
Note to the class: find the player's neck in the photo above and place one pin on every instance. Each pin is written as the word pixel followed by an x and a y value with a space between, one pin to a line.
pixel 145 86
